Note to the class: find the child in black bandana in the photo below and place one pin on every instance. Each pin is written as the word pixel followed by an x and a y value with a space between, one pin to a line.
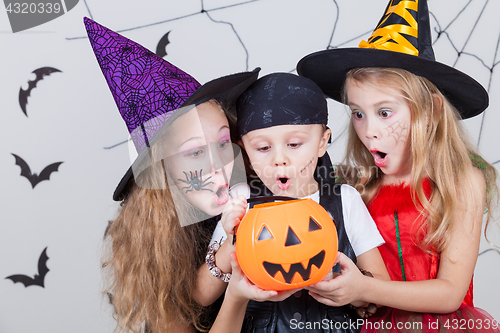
pixel 282 123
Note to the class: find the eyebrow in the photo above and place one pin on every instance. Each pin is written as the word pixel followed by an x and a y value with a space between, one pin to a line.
pixel 190 139
pixel 202 137
pixel 298 132
pixel 376 104
pixel 267 136
pixel 224 126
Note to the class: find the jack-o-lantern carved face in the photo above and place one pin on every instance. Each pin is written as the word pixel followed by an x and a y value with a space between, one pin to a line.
pixel 286 245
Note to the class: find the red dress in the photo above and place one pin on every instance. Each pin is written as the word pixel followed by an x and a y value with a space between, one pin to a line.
pixel 400 224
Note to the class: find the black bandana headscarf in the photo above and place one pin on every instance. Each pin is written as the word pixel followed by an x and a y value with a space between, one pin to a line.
pixel 281 99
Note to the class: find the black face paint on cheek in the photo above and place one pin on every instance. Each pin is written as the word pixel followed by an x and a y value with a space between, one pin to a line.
pixel 307 165
pixel 195 183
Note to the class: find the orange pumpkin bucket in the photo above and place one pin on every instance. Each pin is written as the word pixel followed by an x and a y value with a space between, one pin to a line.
pixel 286 245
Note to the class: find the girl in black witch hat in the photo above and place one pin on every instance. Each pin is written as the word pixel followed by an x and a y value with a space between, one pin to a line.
pixel 426 186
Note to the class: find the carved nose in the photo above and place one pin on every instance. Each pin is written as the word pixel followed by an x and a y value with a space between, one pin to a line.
pixel 291 238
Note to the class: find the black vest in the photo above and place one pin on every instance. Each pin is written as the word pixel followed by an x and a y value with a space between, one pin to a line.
pixel 300 312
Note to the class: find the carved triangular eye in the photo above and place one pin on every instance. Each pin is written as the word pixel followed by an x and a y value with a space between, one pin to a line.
pixel 313 225
pixel 265 234
pixel 291 238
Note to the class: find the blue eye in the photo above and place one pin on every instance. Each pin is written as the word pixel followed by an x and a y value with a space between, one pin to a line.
pixel 222 145
pixel 196 153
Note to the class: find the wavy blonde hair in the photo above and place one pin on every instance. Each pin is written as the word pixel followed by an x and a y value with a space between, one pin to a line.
pixel 435 127
pixel 151 260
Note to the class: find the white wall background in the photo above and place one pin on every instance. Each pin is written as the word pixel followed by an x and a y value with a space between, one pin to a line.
pixel 72 118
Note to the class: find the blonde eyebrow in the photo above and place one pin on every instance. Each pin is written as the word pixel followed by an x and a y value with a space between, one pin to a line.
pixel 190 139
pixel 376 104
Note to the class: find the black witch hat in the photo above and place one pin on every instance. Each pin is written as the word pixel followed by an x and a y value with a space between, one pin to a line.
pixel 402 39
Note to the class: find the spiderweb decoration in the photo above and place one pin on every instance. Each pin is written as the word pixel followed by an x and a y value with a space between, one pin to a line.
pixel 475 50
pixel 466 36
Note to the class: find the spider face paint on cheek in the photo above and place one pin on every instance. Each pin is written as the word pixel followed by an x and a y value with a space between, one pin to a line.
pixel 198 157
pixel 194 182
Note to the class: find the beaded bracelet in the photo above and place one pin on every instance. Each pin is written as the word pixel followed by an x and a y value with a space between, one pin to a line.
pixel 364 311
pixel 210 260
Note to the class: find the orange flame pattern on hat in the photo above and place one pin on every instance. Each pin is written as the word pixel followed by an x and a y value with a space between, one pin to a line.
pixel 390 37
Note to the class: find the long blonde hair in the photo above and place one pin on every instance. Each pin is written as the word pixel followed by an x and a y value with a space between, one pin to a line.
pixel 435 127
pixel 151 260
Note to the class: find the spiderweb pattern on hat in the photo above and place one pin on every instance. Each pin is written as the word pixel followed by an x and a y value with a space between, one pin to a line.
pixel 145 87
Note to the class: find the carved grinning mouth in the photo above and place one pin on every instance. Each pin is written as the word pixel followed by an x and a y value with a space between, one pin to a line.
pixel 273 269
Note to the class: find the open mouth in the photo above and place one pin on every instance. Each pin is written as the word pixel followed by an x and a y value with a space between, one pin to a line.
pixel 379 157
pixel 305 272
pixel 221 196
pixel 283 183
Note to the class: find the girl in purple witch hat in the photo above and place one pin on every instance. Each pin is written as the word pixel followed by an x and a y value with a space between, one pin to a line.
pixel 424 183
pixel 182 174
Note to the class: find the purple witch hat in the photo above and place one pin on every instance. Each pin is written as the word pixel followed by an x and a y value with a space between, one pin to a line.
pixel 143 85
pixel 148 90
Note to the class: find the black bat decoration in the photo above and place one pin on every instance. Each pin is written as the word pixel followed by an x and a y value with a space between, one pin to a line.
pixel 33 177
pixel 24 94
pixel 38 279
pixel 161 48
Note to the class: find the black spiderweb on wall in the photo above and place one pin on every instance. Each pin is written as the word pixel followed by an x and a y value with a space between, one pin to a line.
pixel 466 36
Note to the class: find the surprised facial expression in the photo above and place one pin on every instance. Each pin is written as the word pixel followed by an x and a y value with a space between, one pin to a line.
pixel 200 157
pixel 284 157
pixel 381 118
